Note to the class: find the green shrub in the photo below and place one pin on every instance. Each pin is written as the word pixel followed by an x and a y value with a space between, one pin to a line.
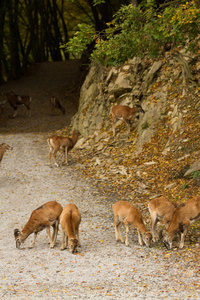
pixel 138 30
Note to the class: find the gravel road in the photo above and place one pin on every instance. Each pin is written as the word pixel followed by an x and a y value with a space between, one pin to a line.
pixel 102 269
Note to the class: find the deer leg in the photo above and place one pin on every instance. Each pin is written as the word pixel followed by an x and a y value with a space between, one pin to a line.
pixel 49 235
pixel 140 238
pixel 183 234
pixel 127 232
pixel 15 112
pixel 117 225
pixel 29 112
pixel 113 126
pixel 66 240
pixel 63 246
pixel 50 152
pixel 54 156
pixel 64 154
pixel 127 125
pixel 66 150
pixel 77 235
pixel 28 108
pixel 154 221
pixel 55 232
pixel 34 239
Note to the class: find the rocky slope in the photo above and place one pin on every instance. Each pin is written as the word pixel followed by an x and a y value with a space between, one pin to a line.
pixel 162 145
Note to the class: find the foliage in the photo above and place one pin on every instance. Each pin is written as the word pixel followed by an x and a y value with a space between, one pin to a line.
pixel 81 39
pixel 134 32
pixel 96 2
pixel 138 30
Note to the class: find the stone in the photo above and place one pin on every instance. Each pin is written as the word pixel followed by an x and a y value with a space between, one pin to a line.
pixel 194 168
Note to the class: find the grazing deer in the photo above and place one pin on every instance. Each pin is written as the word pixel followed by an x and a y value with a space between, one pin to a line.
pixel 70 220
pixel 125 212
pixel 125 113
pixel 43 217
pixel 162 210
pixel 16 100
pixel 66 143
pixel 183 216
pixel 56 105
pixel 3 148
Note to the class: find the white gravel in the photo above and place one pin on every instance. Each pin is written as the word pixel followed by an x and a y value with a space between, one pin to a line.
pixel 103 269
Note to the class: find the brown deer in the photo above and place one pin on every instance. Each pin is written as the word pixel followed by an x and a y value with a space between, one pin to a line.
pixel 66 143
pixel 16 100
pixel 56 105
pixel 161 210
pixel 43 217
pixel 125 113
pixel 125 212
pixel 3 148
pixel 183 216
pixel 70 220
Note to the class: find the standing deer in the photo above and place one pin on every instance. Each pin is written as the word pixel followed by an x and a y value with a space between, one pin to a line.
pixel 3 148
pixel 56 105
pixel 162 210
pixel 16 100
pixel 43 217
pixel 125 113
pixel 183 216
pixel 125 212
pixel 70 220
pixel 66 143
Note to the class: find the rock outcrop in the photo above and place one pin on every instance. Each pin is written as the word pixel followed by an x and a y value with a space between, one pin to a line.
pixel 163 143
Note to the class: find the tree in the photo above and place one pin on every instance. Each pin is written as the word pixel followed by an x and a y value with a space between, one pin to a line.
pixel 30 31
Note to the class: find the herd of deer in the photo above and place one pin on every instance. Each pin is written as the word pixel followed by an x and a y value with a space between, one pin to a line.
pixel 25 100
pixel 176 219
pixel 125 113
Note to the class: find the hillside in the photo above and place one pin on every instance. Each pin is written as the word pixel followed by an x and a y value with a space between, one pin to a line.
pixel 161 147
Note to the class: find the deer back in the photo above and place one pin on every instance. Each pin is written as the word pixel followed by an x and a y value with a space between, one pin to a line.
pixel 162 207
pixel 70 220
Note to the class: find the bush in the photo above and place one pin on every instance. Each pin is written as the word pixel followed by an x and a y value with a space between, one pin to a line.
pixel 139 30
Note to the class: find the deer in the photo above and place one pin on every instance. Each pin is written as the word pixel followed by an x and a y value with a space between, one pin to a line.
pixel 43 217
pixel 125 113
pixel 56 105
pixel 70 220
pixel 16 100
pixel 183 216
pixel 66 143
pixel 127 214
pixel 3 148
pixel 161 210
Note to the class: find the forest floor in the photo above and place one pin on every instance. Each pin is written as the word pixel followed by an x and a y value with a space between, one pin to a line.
pixel 102 269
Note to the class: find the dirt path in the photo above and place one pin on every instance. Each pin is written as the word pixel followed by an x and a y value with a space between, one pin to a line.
pixel 61 79
pixel 103 269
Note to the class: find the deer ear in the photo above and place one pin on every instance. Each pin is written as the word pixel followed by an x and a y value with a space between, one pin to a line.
pixel 16 233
